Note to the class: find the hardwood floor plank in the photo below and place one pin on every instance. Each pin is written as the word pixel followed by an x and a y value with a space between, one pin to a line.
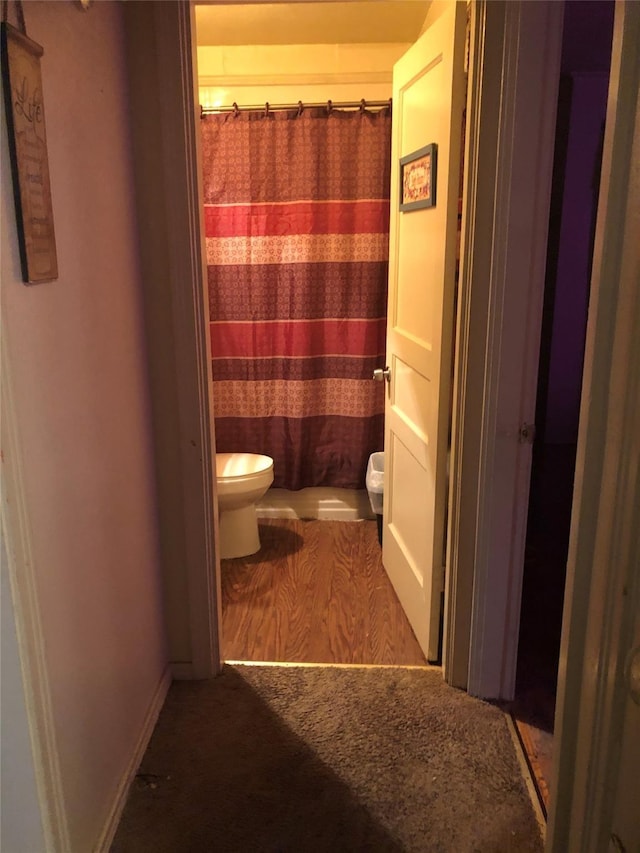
pixel 343 602
pixel 316 592
pixel 385 631
pixel 293 592
pixel 538 747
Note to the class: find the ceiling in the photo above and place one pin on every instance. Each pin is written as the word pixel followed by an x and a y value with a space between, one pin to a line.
pixel 320 22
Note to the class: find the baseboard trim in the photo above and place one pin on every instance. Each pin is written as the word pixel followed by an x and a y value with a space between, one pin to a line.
pixel 322 503
pixel 108 833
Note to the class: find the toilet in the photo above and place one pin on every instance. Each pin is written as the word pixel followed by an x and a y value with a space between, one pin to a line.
pixel 242 478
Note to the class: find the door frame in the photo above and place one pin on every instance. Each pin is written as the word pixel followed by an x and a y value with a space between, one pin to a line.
pixel 511 118
pixel 162 75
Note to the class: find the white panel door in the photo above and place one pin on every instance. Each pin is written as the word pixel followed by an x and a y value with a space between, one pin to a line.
pixel 428 100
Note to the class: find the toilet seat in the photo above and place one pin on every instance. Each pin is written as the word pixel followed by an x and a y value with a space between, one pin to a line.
pixel 238 466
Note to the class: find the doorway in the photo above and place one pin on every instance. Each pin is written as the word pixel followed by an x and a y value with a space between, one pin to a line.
pixel 308 53
pixel 582 102
pixel 170 236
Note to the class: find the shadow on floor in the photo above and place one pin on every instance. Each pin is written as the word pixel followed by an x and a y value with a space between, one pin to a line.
pixel 274 542
pixel 256 787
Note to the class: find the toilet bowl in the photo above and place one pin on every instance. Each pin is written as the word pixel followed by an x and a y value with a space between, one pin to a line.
pixel 242 479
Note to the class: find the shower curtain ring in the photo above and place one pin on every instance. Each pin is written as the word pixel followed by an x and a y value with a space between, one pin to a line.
pixel 363 105
pixel 236 109
pixel 300 107
pixel 329 106
pixel 266 108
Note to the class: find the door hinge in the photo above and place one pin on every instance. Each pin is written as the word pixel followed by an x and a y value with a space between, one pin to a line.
pixel 527 433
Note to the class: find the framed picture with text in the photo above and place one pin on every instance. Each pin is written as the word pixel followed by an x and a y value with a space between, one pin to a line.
pixel 418 172
pixel 24 107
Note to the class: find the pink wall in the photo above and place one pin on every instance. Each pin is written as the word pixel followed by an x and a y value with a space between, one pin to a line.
pixel 75 356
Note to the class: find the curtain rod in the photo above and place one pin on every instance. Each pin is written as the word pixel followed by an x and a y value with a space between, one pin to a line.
pixel 268 108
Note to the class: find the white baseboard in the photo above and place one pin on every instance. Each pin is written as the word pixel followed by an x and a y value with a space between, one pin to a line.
pixel 321 502
pixel 108 833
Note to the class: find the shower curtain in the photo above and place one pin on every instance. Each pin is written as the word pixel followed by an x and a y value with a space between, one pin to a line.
pixel 297 222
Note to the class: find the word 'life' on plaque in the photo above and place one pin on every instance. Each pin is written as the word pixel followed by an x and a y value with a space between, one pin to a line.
pixel 24 105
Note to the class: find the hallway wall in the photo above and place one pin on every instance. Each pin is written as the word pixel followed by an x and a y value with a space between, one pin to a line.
pixel 75 361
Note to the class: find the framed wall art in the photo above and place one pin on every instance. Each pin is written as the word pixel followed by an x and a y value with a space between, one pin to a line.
pixel 418 174
pixel 24 106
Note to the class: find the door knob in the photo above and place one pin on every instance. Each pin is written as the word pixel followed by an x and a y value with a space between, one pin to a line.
pixel 381 373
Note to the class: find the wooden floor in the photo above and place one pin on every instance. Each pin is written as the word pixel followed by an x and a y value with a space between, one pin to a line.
pixel 316 592
pixel 537 742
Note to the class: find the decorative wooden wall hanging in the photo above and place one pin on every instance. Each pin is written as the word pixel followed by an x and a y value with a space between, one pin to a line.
pixel 24 106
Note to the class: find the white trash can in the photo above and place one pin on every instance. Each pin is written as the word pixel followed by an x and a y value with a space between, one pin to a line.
pixel 375 487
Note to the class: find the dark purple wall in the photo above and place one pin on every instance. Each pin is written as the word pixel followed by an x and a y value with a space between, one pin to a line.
pixel 586 121
pixel 588 30
pixel 586 56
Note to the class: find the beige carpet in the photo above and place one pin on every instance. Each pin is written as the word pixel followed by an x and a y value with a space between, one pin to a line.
pixel 328 759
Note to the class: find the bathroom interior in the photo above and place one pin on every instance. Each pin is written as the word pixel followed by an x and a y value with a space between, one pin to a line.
pixel 296 224
pixel 276 605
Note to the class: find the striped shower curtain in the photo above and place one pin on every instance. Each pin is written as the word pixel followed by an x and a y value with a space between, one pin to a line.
pixel 297 220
